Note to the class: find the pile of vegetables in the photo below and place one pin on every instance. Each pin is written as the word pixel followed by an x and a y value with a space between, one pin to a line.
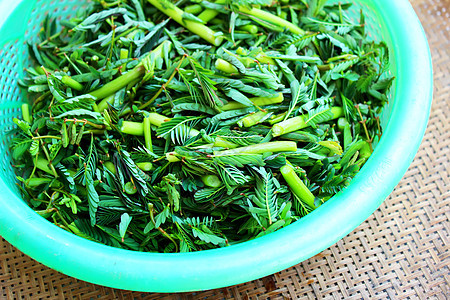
pixel 181 126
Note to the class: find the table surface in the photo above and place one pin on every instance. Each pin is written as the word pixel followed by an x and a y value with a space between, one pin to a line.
pixel 401 251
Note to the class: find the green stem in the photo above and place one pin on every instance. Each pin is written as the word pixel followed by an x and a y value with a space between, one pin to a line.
pixel 193 9
pixel 257 101
pixel 46 137
pixel 300 122
pixel 150 208
pixel 266 16
pixel 171 157
pixel 118 83
pixel 226 67
pixel 280 146
pixel 145 166
pixel 253 119
pixel 157 119
pixel 176 14
pixel 163 87
pixel 72 83
pixel 220 142
pixel 122 81
pixel 211 181
pixel 26 113
pixel 365 151
pixel 250 28
pixel 136 128
pixel 209 14
pixel 133 128
pixel 297 186
pixel 277 119
pixel 148 133
pixel 104 103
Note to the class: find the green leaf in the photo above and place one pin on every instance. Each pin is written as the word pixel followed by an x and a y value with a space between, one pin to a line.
pixel 318 115
pixel 239 97
pixel 178 128
pixel 298 95
pixel 191 17
pixel 25 126
pixel 265 193
pixel 349 108
pixel 207 237
pixel 125 220
pixel 162 216
pixel 231 176
pixel 91 21
pixel 240 138
pixel 239 160
pixel 34 148
pixel 79 112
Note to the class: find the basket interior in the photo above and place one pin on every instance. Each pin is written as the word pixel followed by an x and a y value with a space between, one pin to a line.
pixel 14 57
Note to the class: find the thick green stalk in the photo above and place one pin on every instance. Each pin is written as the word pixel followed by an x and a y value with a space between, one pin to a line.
pixel 118 83
pixel 135 74
pixel 258 101
pixel 209 14
pixel 300 122
pixel 211 181
pixel 266 16
pixel 137 128
pixel 104 103
pixel 148 133
pixel 277 119
pixel 253 29
pixel 176 14
pixel 226 67
pixel 297 186
pixel 72 83
pixel 220 142
pixel 145 166
pixel 171 157
pixel 193 9
pixel 133 128
pixel 157 119
pixel 280 146
pixel 253 119
pixel 26 113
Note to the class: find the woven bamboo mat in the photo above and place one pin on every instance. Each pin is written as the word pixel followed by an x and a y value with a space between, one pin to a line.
pixel 401 252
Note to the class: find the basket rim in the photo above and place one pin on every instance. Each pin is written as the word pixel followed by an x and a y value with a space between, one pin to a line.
pixel 182 272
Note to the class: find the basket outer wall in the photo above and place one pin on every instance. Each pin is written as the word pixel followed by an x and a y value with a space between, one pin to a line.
pixel 129 270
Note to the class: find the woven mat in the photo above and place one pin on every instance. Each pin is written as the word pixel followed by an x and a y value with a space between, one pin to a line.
pixel 401 251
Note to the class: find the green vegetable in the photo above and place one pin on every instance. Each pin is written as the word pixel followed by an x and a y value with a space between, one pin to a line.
pixel 186 126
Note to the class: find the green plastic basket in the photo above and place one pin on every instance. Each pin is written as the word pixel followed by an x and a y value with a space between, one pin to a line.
pixel 404 121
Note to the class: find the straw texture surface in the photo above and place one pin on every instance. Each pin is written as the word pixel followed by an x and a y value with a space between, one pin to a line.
pixel 401 252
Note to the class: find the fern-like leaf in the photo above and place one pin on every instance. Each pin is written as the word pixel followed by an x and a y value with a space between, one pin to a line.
pixel 231 176
pixel 318 115
pixel 178 128
pixel 240 138
pixel 239 160
pixel 265 193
